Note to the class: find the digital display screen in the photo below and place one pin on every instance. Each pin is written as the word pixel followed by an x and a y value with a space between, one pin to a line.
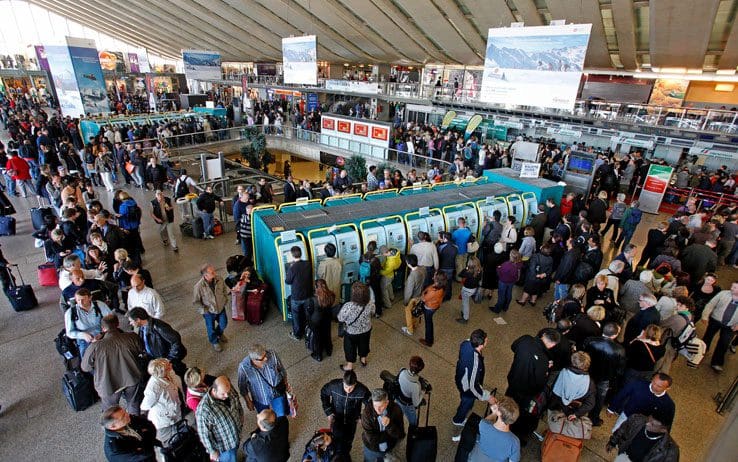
pixel 372 237
pixel 581 165
pixel 320 250
pixel 287 256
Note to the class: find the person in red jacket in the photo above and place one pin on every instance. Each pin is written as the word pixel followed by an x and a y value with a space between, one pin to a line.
pixel 20 172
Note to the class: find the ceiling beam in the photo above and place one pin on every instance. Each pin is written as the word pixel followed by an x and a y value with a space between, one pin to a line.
pixel 529 12
pixel 679 32
pixel 488 14
pixel 622 17
pixel 465 28
pixel 585 12
pixel 729 56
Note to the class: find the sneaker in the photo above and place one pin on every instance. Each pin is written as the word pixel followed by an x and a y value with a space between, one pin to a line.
pixel 176 249
pixel 717 368
pixel 457 423
pixel 223 338
pixel 294 337
pixel 210 236
pixel 237 242
pixel 732 349
pixel 217 347
pixel 462 320
pixel 406 331
pixel 456 438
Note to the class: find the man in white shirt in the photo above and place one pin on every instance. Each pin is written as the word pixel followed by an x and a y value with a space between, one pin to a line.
pixel 145 297
pixel 71 263
pixel 427 254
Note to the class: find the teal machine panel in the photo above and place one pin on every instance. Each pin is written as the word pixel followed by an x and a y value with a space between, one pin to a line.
pixel 351 226
pixel 541 187
pixel 517 208
pixel 467 211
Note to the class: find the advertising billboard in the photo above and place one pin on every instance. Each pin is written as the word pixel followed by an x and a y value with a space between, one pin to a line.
pixel 201 65
pixel 112 61
pixel 88 73
pixel 299 60
pixel 360 135
pixel 133 63
pixel 535 66
pixel 668 92
pixel 43 64
pixel 65 82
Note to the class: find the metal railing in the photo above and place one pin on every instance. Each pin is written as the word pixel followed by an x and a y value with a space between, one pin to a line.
pixel 696 119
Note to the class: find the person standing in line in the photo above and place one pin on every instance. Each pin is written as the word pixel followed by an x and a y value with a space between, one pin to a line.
pixel 342 401
pixel 412 389
pixel 616 214
pixel 356 315
pixel 470 375
pixel 629 223
pixel 159 338
pixel 427 256
pixel 86 328
pixel 496 441
pixel 644 438
pixel 219 419
pixel 608 365
pixel 270 441
pixel 162 398
pixel 384 427
pixel 210 298
pixel 163 214
pixel 644 397
pixel 114 361
pixel 206 204
pixel 330 270
pixel 128 437
pixel 413 288
pixel 392 261
pixel 432 298
pixel 528 376
pixel 447 253
pixel 460 236
pixel 301 290
pixel 472 276
pixel 262 381
pixel 508 274
pixel 721 314
pixel 564 275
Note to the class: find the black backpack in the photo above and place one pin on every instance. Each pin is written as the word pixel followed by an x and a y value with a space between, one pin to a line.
pixel 181 189
pixel 583 272
pixel 66 346
pixel 392 387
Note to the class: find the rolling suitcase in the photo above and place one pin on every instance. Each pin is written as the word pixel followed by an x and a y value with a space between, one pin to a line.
pixel 198 229
pixel 7 225
pixel 256 305
pixel 78 388
pixel 186 229
pixel 21 296
pixel 38 215
pixel 47 275
pixel 184 446
pixel 238 305
pixel 422 442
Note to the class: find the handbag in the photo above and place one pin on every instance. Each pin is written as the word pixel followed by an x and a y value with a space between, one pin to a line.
pixel 130 168
pixel 418 308
pixel 472 246
pixel 478 296
pixel 579 428
pixel 342 325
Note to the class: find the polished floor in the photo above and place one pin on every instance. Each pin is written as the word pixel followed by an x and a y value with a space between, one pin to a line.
pixel 37 425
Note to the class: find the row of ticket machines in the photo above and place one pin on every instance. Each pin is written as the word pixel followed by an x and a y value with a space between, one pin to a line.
pixel 393 221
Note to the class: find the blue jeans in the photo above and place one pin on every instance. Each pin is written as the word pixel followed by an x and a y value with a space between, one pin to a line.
pixel 465 406
pixel 33 168
pixel 82 346
pixel 298 309
pixel 411 412
pixel 279 405
pixel 560 291
pixel 10 184
pixel 215 325
pixel 229 456
pixel 373 456
pixel 504 296
pixel 429 325
pixel 207 223
pixel 246 248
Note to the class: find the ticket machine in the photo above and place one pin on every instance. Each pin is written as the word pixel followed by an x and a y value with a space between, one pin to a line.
pixel 579 172
pixel 284 243
pixel 346 239
pixel 466 210
pixel 389 231
pixel 531 206
pixel 487 207
pixel 517 209
pixel 429 221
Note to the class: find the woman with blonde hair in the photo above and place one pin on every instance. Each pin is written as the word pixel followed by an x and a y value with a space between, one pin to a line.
pixel 643 353
pixel 472 276
pixel 163 398
pixel 528 246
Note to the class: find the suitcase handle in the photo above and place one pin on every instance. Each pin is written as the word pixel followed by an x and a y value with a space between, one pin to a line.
pixel 19 275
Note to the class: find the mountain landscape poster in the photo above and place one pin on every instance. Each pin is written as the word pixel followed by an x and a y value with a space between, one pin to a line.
pixel 535 66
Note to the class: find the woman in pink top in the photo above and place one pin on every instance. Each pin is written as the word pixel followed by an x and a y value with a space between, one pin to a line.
pixel 197 385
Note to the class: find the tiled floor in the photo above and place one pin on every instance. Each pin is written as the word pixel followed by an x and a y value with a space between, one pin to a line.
pixel 36 424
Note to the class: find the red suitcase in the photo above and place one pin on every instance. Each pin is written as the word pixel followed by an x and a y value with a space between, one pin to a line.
pixel 256 305
pixel 47 275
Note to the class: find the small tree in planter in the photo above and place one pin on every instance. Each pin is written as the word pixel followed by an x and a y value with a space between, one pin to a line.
pixel 356 168
pixel 249 155
pixel 254 151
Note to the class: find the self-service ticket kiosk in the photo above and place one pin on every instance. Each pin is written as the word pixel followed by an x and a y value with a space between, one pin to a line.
pixel 530 201
pixel 517 208
pixel 284 243
pixel 348 248
pixel 468 211
pixel 487 207
pixel 579 172
pixel 426 220
pixel 389 231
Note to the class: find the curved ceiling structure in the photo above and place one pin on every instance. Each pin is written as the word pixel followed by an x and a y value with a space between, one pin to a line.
pixel 626 34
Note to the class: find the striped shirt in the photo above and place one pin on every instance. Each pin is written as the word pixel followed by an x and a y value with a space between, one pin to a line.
pixel 219 422
pixel 261 383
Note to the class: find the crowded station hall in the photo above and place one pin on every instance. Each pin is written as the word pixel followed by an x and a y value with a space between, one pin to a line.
pixel 342 230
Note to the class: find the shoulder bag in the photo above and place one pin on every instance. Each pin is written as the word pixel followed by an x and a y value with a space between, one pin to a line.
pixel 342 325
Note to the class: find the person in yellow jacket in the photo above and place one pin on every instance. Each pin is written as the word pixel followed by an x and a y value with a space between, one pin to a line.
pixel 392 261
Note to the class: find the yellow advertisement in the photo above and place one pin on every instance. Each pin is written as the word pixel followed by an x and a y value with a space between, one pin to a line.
pixel 668 92
pixel 447 119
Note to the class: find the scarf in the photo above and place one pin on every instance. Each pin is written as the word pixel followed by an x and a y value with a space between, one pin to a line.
pixel 571 386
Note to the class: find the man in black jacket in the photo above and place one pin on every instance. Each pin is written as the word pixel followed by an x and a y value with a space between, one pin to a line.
pixel 564 275
pixel 159 338
pixel 528 376
pixel 128 437
pixel 270 441
pixel 597 213
pixel 608 364
pixel 645 438
pixel 299 278
pixel 290 192
pixel 654 243
pixel 206 206
pixel 342 401
pixel 447 260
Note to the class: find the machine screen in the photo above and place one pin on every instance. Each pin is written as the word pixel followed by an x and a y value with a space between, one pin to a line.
pixel 320 250
pixel 287 256
pixel 371 237
pixel 581 165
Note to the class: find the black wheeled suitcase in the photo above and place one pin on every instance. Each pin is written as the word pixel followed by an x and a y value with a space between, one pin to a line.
pixel 198 229
pixel 21 296
pixel 7 225
pixel 184 446
pixel 78 388
pixel 422 442
pixel 38 214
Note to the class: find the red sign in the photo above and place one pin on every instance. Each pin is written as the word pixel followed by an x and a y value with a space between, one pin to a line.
pixel 380 133
pixel 344 126
pixel 329 124
pixel 655 185
pixel 361 129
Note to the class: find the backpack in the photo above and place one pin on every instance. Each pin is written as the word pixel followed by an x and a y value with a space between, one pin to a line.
pixel 635 217
pixel 131 211
pixel 365 271
pixel 552 312
pixel 392 387
pixel 181 189
pixel 583 272
pixel 66 346
pixel 689 332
